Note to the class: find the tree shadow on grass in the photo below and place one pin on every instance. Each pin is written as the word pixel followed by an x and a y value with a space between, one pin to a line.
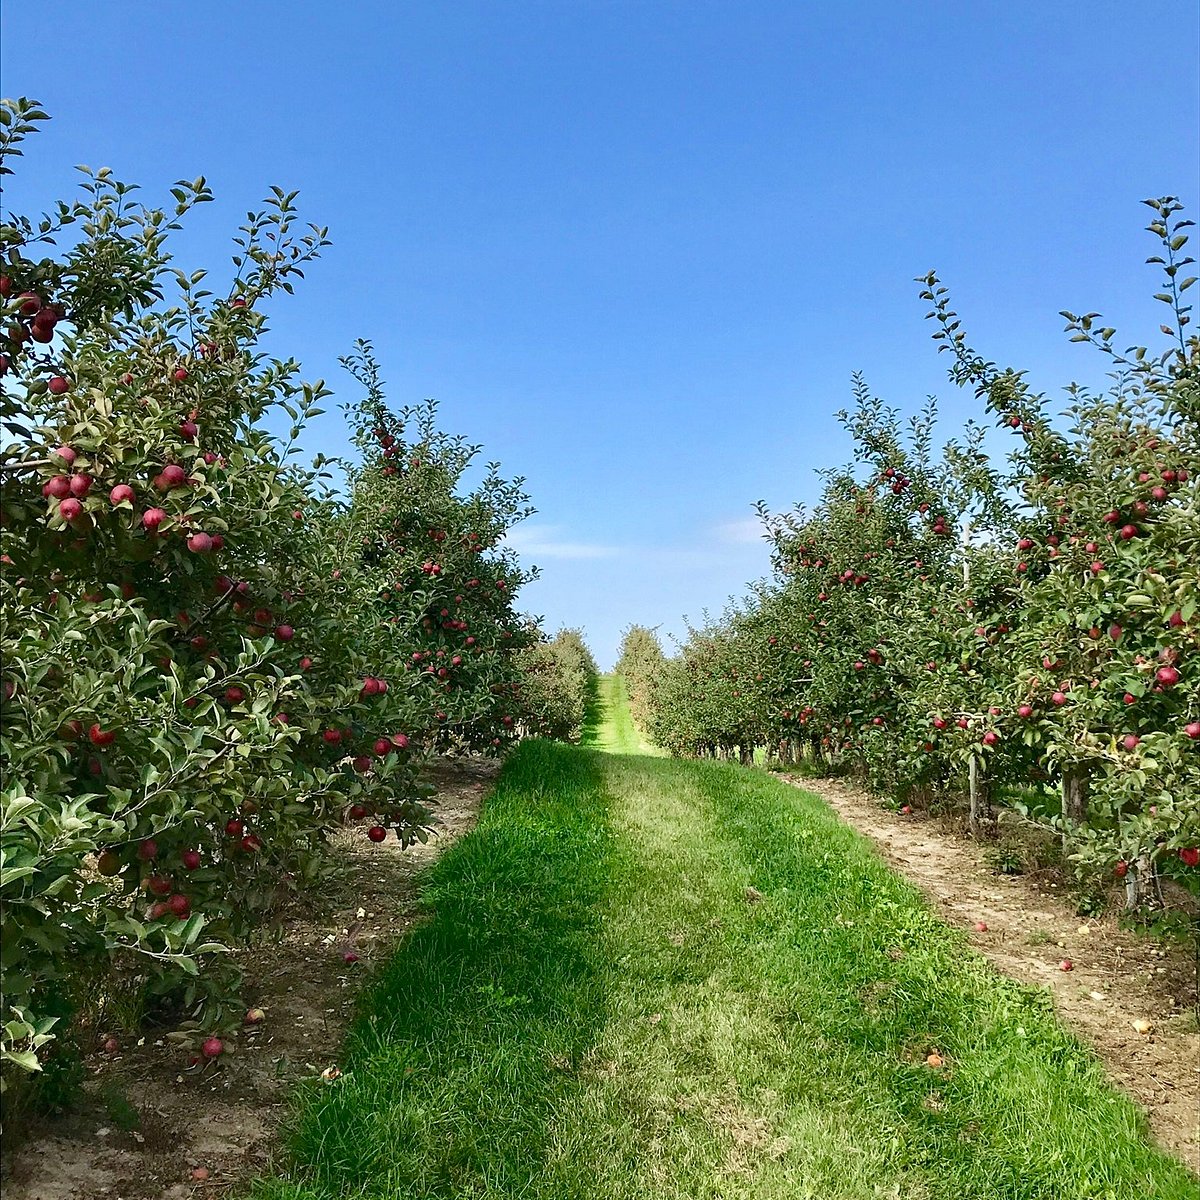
pixel 469 1040
pixel 595 714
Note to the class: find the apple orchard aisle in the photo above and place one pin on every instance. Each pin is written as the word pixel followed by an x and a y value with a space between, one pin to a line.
pixel 653 978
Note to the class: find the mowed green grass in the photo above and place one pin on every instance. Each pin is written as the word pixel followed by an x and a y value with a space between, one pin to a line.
pixel 599 1008
pixel 609 725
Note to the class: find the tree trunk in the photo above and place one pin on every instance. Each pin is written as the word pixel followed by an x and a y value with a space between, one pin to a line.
pixel 1074 803
pixel 982 820
pixel 746 756
pixel 1140 891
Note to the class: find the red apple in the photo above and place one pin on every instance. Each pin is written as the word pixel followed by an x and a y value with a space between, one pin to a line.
pixel 121 494
pixel 171 476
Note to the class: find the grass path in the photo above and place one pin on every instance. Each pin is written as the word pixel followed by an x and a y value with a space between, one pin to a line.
pixel 647 979
pixel 609 725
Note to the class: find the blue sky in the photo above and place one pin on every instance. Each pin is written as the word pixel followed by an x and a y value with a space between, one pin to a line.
pixel 637 249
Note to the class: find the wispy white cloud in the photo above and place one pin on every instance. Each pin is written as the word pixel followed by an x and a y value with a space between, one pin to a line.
pixel 743 531
pixel 546 541
pixel 722 544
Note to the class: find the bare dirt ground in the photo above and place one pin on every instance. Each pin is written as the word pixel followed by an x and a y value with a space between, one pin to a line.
pixel 1117 977
pixel 146 1123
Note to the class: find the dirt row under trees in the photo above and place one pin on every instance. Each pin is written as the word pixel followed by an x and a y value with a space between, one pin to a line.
pixel 145 1124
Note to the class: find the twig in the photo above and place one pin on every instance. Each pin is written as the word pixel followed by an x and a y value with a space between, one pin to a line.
pixel 30 464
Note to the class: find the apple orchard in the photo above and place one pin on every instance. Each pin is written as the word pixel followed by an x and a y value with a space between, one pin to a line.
pixel 1022 632
pixel 214 655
